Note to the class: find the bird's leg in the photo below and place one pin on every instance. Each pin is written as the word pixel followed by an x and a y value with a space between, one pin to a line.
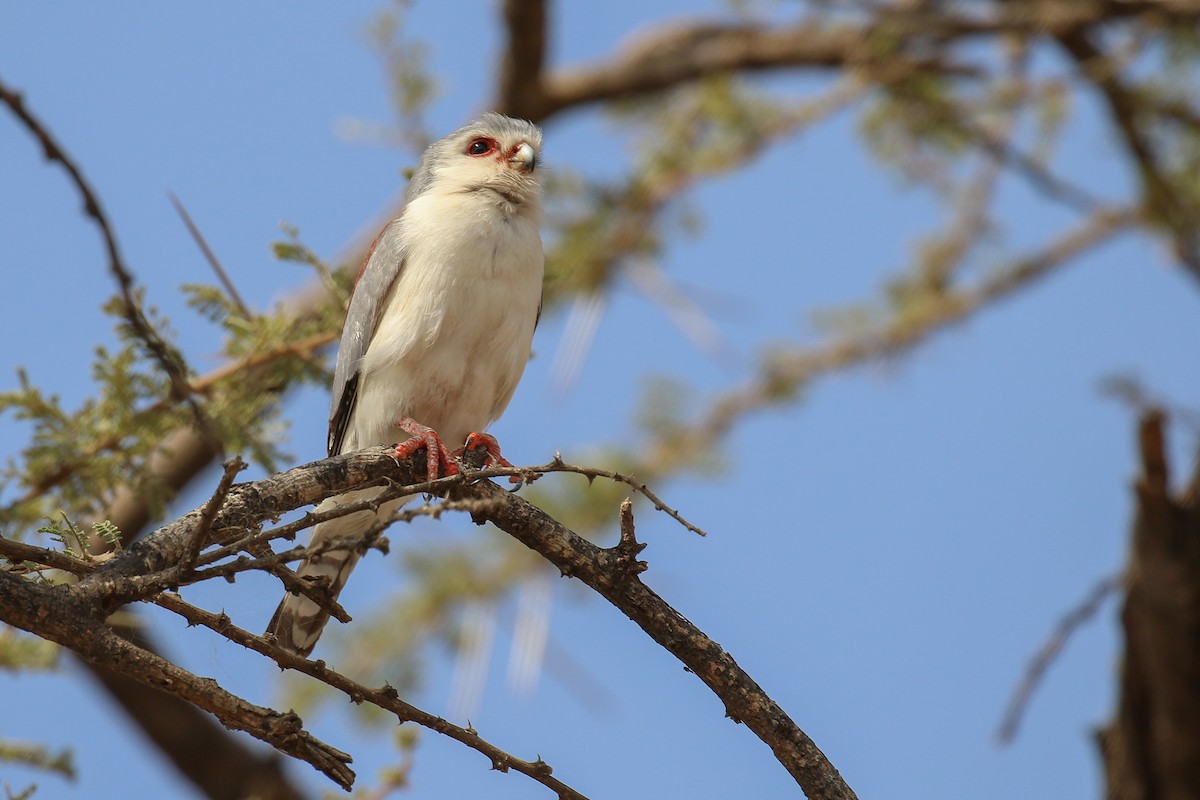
pixel 488 443
pixel 437 457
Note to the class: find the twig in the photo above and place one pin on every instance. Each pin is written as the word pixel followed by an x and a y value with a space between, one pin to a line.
pixel 64 616
pixel 390 490
pixel 999 147
pixel 628 547
pixel 529 474
pixel 385 698
pixel 200 534
pixel 167 357
pixel 20 552
pixel 302 348
pixel 608 573
pixel 788 370
pixel 1049 651
pixel 1173 209
pixel 266 563
pixel 210 256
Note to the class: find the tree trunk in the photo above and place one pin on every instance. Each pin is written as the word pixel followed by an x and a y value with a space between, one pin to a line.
pixel 1151 749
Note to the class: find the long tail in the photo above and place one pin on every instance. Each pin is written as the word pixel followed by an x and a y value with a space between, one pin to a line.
pixel 298 621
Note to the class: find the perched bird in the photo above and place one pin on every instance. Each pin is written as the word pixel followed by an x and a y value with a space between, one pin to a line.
pixel 438 331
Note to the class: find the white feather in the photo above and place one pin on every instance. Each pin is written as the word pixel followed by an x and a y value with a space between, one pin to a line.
pixel 457 283
pixel 457 327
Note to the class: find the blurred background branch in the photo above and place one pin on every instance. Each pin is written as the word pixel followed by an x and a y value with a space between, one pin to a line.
pixel 967 103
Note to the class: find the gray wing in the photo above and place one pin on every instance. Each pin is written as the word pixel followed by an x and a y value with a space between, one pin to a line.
pixel 379 273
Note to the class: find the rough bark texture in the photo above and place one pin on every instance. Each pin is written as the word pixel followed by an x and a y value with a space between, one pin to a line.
pixel 613 573
pixel 1152 748
pixel 896 41
pixel 215 761
pixel 64 615
pixel 73 615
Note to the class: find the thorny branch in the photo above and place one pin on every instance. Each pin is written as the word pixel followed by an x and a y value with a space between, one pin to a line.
pixel 631 71
pixel 385 697
pixel 59 614
pixel 208 514
pixel 147 568
pixel 609 573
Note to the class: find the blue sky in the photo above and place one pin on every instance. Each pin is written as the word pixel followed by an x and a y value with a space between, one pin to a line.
pixel 884 566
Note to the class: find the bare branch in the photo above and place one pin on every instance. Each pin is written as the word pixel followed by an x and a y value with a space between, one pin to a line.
pixel 788 370
pixel 1149 746
pixel 1164 203
pixel 681 52
pixel 608 573
pixel 59 617
pixel 591 473
pixel 220 763
pixel 209 513
pixel 385 697
pixel 520 81
pixel 20 552
pixel 210 257
pixel 613 573
pixel 168 358
pixel 1049 651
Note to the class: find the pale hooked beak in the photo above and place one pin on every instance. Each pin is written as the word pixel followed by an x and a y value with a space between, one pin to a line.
pixel 523 158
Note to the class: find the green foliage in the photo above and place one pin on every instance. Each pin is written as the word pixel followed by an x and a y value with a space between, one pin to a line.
pixel 77 542
pixel 914 121
pixel 76 459
pixel 109 533
pixel 412 85
pixel 1050 104
pixel 339 283
pixel 25 652
pixel 596 227
pixel 38 757
pixel 1181 48
pixel 68 535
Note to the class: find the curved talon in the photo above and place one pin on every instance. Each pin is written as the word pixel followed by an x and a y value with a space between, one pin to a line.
pixel 437 458
pixel 488 443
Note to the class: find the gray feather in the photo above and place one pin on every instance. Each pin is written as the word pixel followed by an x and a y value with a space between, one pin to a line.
pixel 490 124
pixel 335 545
pixel 383 267
pixel 386 261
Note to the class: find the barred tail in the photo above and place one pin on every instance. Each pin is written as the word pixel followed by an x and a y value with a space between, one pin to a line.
pixel 298 621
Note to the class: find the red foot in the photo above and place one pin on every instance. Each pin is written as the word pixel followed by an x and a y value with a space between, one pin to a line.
pixel 487 442
pixel 437 457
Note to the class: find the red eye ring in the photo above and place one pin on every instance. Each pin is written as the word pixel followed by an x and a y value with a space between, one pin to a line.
pixel 482 147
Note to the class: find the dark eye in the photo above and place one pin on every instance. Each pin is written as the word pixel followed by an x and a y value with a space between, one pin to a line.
pixel 481 147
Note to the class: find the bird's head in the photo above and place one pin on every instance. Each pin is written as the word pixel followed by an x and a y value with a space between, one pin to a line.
pixel 495 155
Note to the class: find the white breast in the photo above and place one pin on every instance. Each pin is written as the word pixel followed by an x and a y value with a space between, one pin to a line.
pixel 457 328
